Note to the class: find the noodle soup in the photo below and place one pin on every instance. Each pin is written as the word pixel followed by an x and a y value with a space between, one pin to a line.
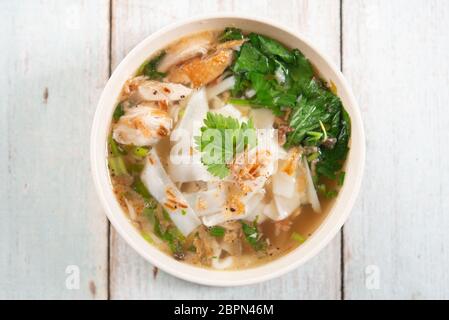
pixel 226 149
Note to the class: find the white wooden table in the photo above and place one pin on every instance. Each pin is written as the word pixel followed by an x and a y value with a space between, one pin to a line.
pixel 55 58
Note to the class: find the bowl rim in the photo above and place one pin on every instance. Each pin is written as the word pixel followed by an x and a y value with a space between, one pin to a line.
pixel 234 277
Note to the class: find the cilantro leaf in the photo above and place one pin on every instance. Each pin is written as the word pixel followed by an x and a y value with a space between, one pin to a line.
pixel 253 236
pixel 149 68
pixel 222 138
pixel 217 231
pixel 231 34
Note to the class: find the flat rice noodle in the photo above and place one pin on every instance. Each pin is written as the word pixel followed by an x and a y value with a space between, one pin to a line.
pixel 168 195
pixel 222 86
pixel 283 184
pixel 271 211
pixel 250 202
pixel 229 110
pixel 184 163
pixel 311 192
pixel 286 206
pixel 208 202
pixel 262 118
pixel 218 262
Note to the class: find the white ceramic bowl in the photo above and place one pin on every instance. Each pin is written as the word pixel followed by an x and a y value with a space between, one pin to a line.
pixel 320 238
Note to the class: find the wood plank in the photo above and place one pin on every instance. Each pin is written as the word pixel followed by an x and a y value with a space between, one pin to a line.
pixel 131 276
pixel 395 55
pixel 54 65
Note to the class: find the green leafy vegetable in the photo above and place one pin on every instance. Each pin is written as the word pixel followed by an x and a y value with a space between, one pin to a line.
pixel 231 34
pixel 149 68
pixel 274 72
pixel 222 138
pixel 332 159
pixel 217 231
pixel 317 107
pixel 285 79
pixel 320 120
pixel 301 71
pixel 253 236
pixel 272 48
pixel 252 60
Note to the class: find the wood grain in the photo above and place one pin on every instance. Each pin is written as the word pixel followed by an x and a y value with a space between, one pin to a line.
pixel 55 61
pixel 395 56
pixel 131 276
pixel 54 64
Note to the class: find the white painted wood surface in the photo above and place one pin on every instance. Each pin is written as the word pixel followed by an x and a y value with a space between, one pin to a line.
pixel 396 57
pixel 131 276
pixel 55 62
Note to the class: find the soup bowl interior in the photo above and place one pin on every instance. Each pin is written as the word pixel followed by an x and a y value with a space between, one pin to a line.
pixel 101 126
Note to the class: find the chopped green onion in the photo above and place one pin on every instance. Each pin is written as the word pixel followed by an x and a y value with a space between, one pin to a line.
pixel 321 188
pixel 149 214
pixel 140 188
pixel 171 235
pixel 117 166
pixel 181 113
pixel 239 102
pixel 166 215
pixel 140 151
pixel 114 147
pixel 341 178
pixel 135 167
pixel 217 231
pixel 324 130
pixel 118 112
pixel 147 237
pixel 331 194
pixel 313 156
pixel 297 237
pixel 313 138
pixel 252 236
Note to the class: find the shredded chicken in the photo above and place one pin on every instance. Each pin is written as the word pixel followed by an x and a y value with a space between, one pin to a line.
pixel 142 126
pixel 187 48
pixel 200 71
pixel 203 243
pixel 282 226
pixel 232 44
